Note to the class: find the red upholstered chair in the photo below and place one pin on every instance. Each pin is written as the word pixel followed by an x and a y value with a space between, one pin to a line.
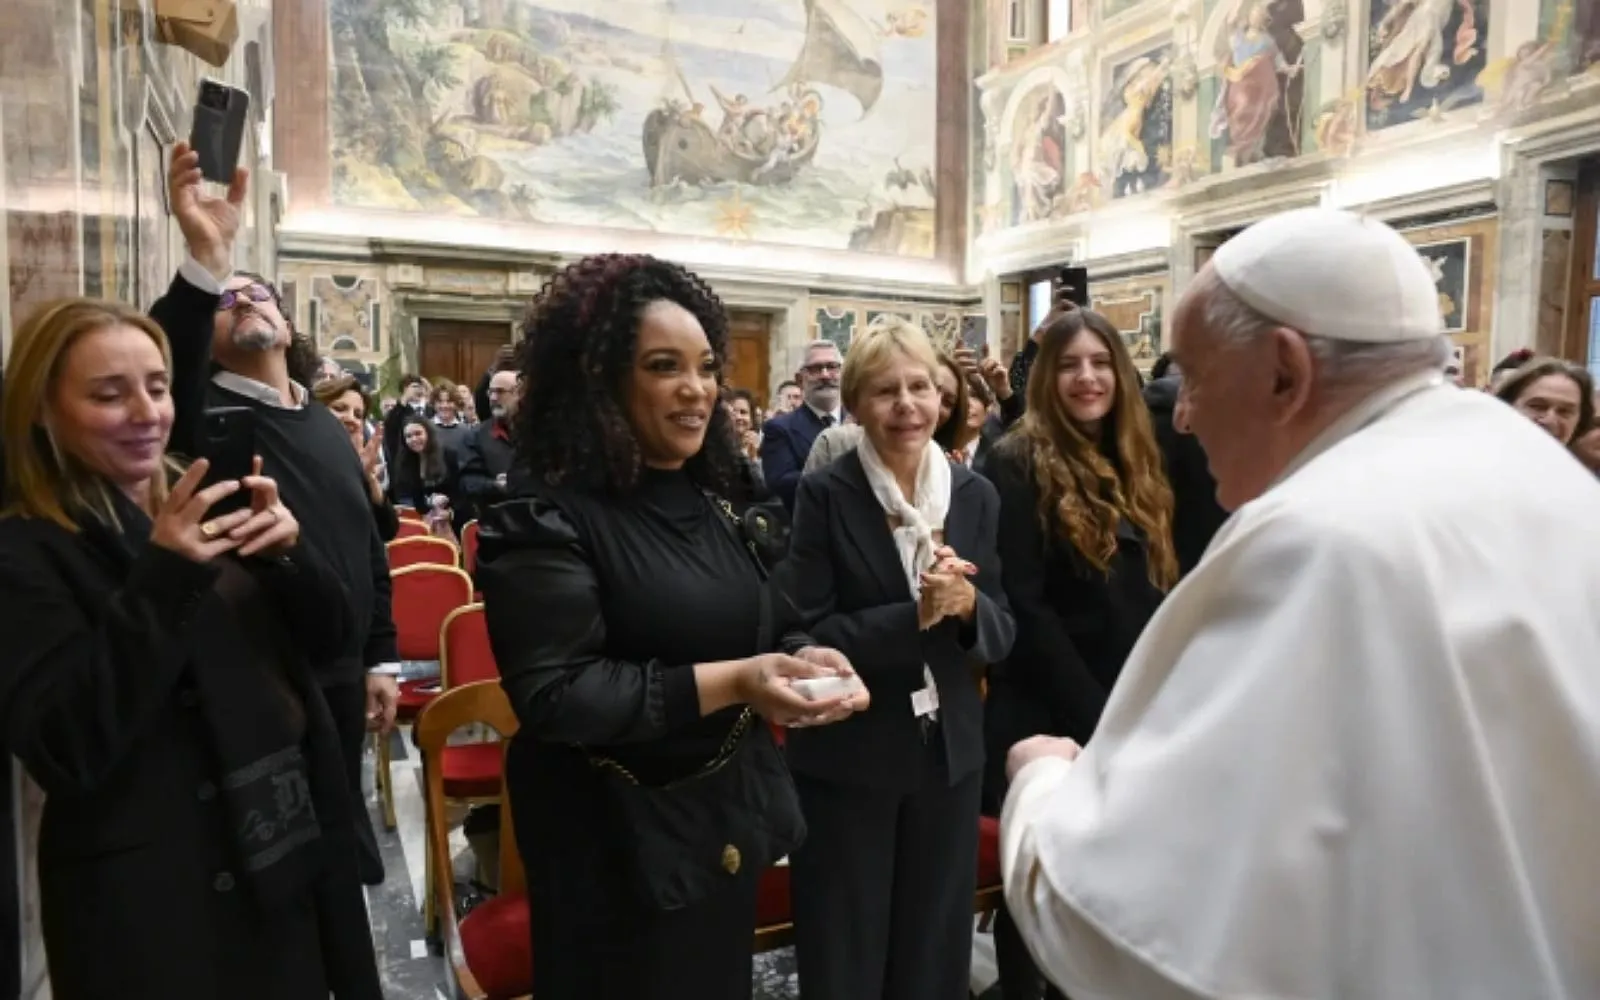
pixel 991 893
pixel 490 949
pixel 471 770
pixel 423 548
pixel 411 529
pixel 423 597
pixel 469 547
pixel 408 513
pixel 774 915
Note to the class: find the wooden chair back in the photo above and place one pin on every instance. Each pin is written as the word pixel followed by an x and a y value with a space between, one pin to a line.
pixel 482 703
pixel 424 548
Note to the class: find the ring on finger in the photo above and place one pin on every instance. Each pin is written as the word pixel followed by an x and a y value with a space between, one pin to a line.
pixel 209 529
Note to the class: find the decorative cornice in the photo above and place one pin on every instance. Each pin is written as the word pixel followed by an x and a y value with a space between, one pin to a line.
pixel 1435 201
pixel 302 245
pixel 435 305
pixel 1234 206
pixel 1562 136
pixel 1129 265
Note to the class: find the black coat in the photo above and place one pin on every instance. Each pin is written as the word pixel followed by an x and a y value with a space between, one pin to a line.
pixel 846 578
pixel 1196 515
pixel 1075 624
pixel 142 894
pixel 487 454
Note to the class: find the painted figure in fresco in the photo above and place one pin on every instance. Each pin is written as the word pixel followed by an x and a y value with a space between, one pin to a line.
pixel 1038 151
pixel 1257 75
pixel 1411 48
pixel 1128 163
pixel 1585 33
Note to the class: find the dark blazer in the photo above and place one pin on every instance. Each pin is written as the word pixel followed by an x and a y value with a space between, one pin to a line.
pixel 487 454
pixel 1196 515
pixel 786 441
pixel 97 700
pixel 846 578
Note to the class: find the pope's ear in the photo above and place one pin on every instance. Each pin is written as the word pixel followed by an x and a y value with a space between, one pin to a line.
pixel 1293 370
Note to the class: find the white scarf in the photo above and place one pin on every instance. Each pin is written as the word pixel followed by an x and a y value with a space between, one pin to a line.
pixel 920 518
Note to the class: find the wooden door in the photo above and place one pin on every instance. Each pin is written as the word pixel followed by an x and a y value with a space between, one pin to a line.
pixel 749 343
pixel 459 350
pixel 1583 308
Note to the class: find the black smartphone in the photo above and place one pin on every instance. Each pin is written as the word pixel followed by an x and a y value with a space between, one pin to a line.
pixel 1072 284
pixel 220 113
pixel 230 447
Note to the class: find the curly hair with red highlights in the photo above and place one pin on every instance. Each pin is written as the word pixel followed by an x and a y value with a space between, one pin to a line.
pixel 577 350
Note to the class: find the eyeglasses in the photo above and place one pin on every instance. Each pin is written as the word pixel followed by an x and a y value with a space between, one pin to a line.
pixel 823 368
pixel 254 292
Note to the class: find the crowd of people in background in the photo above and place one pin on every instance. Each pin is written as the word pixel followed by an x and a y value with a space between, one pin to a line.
pixel 979 573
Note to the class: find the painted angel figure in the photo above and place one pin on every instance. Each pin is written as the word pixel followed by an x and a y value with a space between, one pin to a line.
pixel 1037 161
pixel 1255 79
pixel 1411 36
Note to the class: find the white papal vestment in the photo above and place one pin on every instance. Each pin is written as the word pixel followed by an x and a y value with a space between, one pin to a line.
pixel 1356 755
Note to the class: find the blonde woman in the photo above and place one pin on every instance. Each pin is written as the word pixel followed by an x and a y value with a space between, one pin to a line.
pixel 156 686
pixel 892 561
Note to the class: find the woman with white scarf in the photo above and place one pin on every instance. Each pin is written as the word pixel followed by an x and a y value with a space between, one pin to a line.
pixel 892 561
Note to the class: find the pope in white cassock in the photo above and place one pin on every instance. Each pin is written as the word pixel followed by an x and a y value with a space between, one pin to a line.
pixel 1356 755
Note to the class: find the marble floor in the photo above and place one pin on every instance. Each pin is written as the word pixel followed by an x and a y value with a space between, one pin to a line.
pixel 413 971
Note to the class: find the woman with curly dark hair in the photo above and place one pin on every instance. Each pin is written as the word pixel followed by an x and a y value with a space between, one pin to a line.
pixel 640 646
pixel 1086 553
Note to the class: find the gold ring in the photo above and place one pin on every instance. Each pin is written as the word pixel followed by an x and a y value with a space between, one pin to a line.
pixel 208 529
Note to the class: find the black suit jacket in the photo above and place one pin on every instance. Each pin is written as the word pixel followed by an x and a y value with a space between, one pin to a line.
pixel 846 578
pixel 786 441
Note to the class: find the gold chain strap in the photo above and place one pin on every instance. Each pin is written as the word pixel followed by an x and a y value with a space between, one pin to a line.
pixel 730 746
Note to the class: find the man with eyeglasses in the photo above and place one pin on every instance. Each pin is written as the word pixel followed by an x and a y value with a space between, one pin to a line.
pixel 786 440
pixel 232 346
pixel 488 451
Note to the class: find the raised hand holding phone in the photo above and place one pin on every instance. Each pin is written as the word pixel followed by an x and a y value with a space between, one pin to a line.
pixel 209 223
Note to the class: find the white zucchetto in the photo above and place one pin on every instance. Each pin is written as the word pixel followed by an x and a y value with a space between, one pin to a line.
pixel 1333 274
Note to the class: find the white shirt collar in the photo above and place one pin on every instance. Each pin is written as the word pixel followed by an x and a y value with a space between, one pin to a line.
pixel 834 415
pixel 234 382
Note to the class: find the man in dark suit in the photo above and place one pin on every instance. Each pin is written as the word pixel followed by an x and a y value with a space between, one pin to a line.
pixel 786 439
pixel 1196 514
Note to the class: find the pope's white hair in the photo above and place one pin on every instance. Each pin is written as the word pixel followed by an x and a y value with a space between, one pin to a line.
pixel 1342 365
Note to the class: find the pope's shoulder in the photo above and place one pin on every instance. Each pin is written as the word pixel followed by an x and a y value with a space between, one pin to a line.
pixel 1436 469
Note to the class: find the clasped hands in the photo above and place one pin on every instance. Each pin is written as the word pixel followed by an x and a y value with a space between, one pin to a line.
pixel 947 590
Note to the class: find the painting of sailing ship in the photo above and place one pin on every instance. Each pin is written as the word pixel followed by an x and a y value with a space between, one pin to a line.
pixel 800 122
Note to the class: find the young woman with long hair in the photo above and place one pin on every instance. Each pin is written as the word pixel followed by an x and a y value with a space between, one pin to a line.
pixel 1086 553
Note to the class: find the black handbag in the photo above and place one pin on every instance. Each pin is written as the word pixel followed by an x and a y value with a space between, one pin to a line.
pixel 696 833
pixel 763 527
